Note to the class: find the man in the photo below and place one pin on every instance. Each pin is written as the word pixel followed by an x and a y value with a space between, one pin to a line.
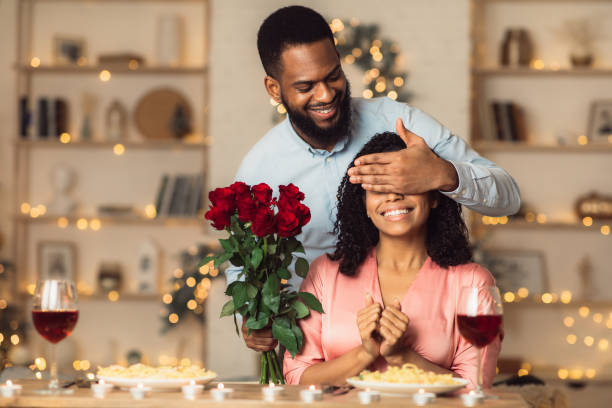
pixel 326 127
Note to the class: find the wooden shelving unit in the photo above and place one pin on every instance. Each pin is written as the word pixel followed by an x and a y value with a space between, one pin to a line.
pixel 128 144
pixel 521 147
pixel 94 69
pixel 499 71
pixel 113 220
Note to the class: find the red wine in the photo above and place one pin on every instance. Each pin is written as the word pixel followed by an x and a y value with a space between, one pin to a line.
pixel 480 330
pixel 55 325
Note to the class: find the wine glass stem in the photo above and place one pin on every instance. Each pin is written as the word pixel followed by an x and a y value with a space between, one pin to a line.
pixel 479 372
pixel 53 382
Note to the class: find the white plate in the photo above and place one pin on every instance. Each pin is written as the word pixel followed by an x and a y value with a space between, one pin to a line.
pixel 397 388
pixel 157 384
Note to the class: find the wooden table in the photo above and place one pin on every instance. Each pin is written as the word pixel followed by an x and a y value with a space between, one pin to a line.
pixel 245 395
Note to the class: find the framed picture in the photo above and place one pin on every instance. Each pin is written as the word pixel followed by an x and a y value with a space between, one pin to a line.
pixel 68 50
pixel 515 269
pixel 56 260
pixel 600 122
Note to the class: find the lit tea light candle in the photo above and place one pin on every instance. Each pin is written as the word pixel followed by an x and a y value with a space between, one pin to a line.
pixel 422 398
pixel 368 396
pixel 271 392
pixel 8 389
pixel 472 399
pixel 311 394
pixel 191 390
pixel 140 391
pixel 100 389
pixel 220 393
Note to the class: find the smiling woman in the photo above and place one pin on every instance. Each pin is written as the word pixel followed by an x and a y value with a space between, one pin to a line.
pixel 398 268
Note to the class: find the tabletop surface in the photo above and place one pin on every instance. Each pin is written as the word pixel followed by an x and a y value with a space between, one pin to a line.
pixel 244 395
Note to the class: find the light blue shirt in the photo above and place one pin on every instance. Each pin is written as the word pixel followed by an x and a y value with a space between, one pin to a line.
pixel 282 157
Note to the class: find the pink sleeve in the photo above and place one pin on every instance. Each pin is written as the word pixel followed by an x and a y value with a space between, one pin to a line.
pixel 312 351
pixel 465 361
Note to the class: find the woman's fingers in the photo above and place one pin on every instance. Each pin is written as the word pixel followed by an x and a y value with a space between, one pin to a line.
pixel 366 320
pixel 395 331
pixel 395 315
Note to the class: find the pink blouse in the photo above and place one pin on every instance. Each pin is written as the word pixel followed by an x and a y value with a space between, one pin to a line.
pixel 430 303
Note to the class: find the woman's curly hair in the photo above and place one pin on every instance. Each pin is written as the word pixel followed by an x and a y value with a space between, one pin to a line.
pixel 447 236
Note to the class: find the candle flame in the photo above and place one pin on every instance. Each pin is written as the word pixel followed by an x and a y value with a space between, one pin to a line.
pixel 101 382
pixel 140 385
pixel 311 388
pixel 271 385
pixel 192 382
pixel 421 391
pixel 9 383
pixel 220 386
pixel 472 392
pixel 368 390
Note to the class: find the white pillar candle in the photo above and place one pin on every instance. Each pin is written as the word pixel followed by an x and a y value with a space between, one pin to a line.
pixel 191 390
pixel 8 389
pixel 471 399
pixel 140 391
pixel 422 398
pixel 311 394
pixel 368 396
pixel 100 389
pixel 271 392
pixel 220 393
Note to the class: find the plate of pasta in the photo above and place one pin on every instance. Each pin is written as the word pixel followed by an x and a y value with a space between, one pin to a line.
pixel 407 379
pixel 158 378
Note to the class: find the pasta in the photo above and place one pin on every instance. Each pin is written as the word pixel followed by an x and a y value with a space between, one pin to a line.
pixel 406 374
pixel 145 371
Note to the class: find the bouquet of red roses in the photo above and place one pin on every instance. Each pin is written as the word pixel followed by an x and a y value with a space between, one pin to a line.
pixel 262 241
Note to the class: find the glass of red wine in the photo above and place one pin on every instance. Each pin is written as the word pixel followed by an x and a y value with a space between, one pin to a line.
pixel 55 314
pixel 480 317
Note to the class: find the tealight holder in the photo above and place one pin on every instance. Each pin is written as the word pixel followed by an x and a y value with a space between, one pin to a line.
pixel 271 392
pixel 311 394
pixel 9 389
pixel 423 398
pixel 220 393
pixel 100 389
pixel 140 391
pixel 368 396
pixel 191 390
pixel 472 399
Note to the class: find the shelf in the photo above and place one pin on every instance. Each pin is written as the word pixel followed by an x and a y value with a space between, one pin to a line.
pixel 114 220
pixel 522 224
pixel 146 144
pixel 114 69
pixel 122 297
pixel 498 71
pixel 491 146
pixel 558 304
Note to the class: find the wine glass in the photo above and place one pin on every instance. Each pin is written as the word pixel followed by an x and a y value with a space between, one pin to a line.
pixel 480 317
pixel 55 314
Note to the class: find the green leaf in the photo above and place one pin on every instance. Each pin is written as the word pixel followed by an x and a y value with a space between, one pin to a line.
pixel 299 336
pixel 236 260
pixel 222 258
pixel 285 336
pixel 253 305
pixel 300 248
pixel 311 301
pixel 283 273
pixel 301 309
pixel 291 244
pixel 256 257
pixel 286 261
pixel 230 287
pixel 301 267
pixel 239 294
pixel 259 323
pixel 236 228
pixel 206 260
pixel 271 248
pixel 227 245
pixel 228 308
pixel 251 291
pixel 271 293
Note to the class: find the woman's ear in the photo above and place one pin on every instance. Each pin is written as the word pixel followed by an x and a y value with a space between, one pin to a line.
pixel 433 199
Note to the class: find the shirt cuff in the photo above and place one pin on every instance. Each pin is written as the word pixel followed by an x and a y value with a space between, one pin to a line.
pixel 463 175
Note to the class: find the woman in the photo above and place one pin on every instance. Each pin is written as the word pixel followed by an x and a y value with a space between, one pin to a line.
pixel 390 289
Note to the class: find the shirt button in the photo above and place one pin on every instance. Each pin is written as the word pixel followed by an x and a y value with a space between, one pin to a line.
pixel 329 160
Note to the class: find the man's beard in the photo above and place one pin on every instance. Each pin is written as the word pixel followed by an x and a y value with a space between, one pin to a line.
pixel 324 136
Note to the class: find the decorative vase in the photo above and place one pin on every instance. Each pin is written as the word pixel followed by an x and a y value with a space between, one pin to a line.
pixel 169 41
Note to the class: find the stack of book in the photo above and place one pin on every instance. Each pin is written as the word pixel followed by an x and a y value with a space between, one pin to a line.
pixel 180 195
pixel 503 121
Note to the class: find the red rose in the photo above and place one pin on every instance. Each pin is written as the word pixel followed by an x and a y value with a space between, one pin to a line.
pixel 262 193
pixel 246 208
pixel 240 189
pixel 263 221
pixel 286 203
pixel 303 214
pixel 287 224
pixel 223 196
pixel 219 215
pixel 290 191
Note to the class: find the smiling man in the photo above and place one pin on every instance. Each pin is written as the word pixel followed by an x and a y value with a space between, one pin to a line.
pixel 326 127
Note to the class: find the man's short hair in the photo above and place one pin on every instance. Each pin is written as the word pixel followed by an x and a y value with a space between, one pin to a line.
pixel 285 27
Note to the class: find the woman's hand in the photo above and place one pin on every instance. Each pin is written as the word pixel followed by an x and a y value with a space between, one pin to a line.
pixel 393 327
pixel 367 322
